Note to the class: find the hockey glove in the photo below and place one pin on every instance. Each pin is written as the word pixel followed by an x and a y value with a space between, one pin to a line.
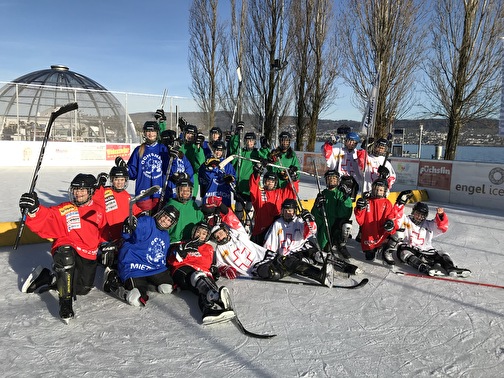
pixel 119 162
pixel 227 271
pixel 211 163
pixel 213 201
pixel 345 188
pixel 179 176
pixel 274 155
pixel 292 171
pixel 160 115
pixel 264 142
pixel 404 197
pixel 228 179
pixel 320 201
pixel 108 253
pixel 239 126
pixel 388 225
pixel 174 152
pixel 129 228
pixel 383 172
pixel 189 247
pixel 361 203
pixel 101 179
pixel 182 122
pixel 215 272
pixel 307 216
pixel 30 202
pixel 258 169
pixel 200 138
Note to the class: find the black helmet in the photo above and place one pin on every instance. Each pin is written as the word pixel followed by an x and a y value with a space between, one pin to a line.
pixel 216 130
pixel 183 183
pixel 200 226
pixel 171 211
pixel 284 135
pixel 119 172
pixel 289 203
pixel 151 126
pixel 82 180
pixel 250 135
pixel 219 145
pixel 191 129
pixel 382 142
pixel 332 173
pixel 270 176
pixel 378 183
pixel 421 208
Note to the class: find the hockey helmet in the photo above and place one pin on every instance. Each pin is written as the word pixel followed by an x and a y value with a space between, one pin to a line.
pixel 218 145
pixel 171 212
pixel 219 237
pixel 119 172
pixel 332 178
pixel 216 130
pixel 270 176
pixel 380 147
pixel 184 195
pixel 250 135
pixel 419 213
pixel 84 181
pixel 151 126
pixel 375 188
pixel 352 136
pixel 201 231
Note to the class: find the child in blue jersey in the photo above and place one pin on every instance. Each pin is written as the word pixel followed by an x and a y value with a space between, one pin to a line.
pixel 215 181
pixel 142 258
pixel 147 165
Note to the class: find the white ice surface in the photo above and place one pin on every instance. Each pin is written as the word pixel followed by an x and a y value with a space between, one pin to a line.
pixel 395 326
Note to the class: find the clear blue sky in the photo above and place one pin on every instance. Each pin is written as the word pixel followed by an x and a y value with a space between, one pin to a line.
pixel 125 45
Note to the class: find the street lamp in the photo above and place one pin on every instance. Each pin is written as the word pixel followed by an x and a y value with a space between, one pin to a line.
pixel 420 142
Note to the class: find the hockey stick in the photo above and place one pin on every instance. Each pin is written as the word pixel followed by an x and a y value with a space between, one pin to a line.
pixel 419 275
pixel 356 285
pixel 270 164
pixel 55 114
pixel 165 183
pixel 226 161
pixel 146 193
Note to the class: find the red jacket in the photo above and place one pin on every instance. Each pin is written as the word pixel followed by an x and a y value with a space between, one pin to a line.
pixel 79 227
pixel 200 260
pixel 371 219
pixel 268 203
pixel 116 205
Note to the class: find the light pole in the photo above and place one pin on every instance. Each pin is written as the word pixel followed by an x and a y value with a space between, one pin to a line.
pixel 420 142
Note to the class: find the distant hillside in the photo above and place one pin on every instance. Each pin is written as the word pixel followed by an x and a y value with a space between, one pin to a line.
pixel 476 132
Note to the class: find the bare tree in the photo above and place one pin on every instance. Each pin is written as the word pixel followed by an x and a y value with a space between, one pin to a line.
pixel 386 31
pixel 464 67
pixel 233 58
pixel 315 71
pixel 265 61
pixel 206 37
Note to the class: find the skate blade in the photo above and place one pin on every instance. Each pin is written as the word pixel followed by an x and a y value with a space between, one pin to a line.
pixel 224 317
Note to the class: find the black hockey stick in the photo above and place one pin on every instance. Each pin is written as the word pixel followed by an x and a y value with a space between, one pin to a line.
pixel 357 285
pixel 146 193
pixel 165 183
pixel 55 114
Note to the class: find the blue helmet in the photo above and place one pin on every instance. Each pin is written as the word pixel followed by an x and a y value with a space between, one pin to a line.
pixel 353 136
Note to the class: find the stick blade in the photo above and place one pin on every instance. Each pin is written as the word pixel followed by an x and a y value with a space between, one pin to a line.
pixel 147 193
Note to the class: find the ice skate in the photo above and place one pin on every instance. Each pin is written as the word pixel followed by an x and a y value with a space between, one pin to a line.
pixel 459 272
pixel 111 280
pixel 436 271
pixel 225 298
pixel 388 257
pixel 66 311
pixel 214 315
pixel 37 279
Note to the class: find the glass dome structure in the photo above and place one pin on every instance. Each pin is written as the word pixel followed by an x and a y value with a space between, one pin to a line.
pixel 27 102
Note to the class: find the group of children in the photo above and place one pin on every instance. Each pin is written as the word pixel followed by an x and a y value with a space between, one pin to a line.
pixel 168 239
